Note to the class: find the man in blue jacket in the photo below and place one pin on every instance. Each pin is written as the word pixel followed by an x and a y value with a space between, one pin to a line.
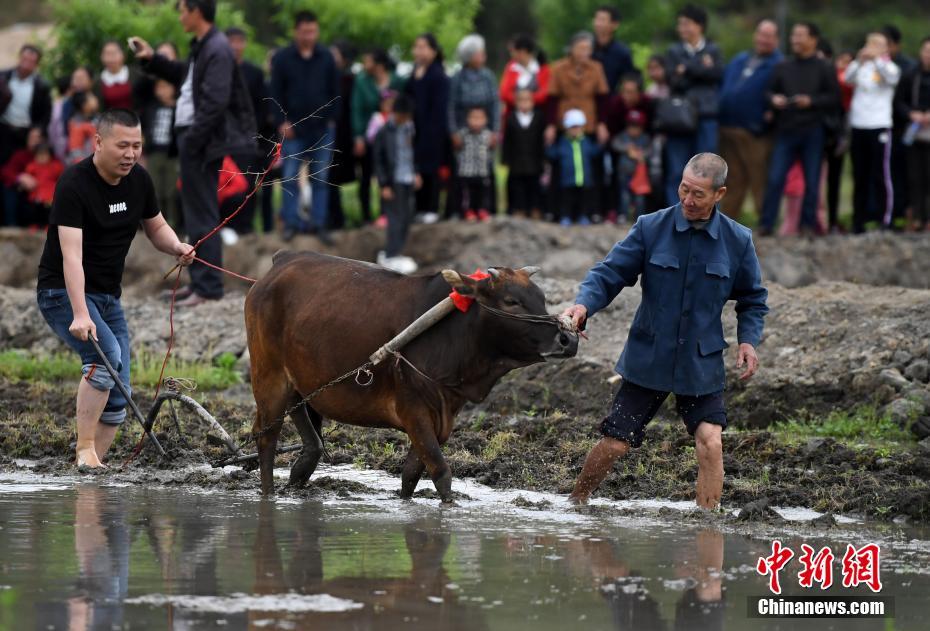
pixel 305 86
pixel 690 260
pixel 744 139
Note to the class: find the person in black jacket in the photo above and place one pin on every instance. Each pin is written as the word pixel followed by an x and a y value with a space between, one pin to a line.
pixel 695 71
pixel 524 153
pixel 428 86
pixel 25 101
pixel 394 166
pixel 213 119
pixel 252 163
pixel 803 92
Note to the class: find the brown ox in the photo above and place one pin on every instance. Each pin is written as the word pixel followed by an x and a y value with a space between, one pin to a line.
pixel 314 317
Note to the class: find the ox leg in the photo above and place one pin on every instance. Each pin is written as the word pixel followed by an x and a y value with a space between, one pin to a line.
pixel 424 441
pixel 270 401
pixel 310 426
pixel 267 444
pixel 410 475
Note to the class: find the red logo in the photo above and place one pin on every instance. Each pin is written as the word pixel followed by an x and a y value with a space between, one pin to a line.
pixel 860 566
pixel 773 564
pixel 817 568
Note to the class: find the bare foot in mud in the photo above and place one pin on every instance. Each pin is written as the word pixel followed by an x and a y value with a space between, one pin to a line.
pixel 87 459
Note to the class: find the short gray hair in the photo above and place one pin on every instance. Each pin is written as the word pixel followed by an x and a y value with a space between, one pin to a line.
pixel 586 36
pixel 709 165
pixel 469 45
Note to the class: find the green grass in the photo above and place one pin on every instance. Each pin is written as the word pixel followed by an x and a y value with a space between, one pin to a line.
pixel 145 369
pixel 864 423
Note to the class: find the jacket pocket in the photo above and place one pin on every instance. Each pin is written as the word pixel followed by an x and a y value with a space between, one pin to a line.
pixel 711 346
pixel 715 268
pixel 669 261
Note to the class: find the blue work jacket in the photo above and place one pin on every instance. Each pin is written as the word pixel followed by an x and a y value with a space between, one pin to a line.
pixel 676 340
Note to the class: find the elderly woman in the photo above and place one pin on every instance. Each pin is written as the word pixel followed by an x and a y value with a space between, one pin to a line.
pixel 472 86
pixel 578 82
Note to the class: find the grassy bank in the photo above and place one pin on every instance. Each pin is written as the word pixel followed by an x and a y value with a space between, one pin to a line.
pixel 145 369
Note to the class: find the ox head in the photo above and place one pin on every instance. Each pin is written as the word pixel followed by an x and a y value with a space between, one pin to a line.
pixel 512 300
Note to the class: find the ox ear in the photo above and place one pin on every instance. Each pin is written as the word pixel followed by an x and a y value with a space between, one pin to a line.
pixel 462 284
pixel 529 270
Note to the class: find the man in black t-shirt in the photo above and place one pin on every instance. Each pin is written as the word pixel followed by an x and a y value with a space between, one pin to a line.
pixel 98 206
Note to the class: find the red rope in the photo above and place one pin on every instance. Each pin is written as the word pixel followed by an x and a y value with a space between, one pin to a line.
pixel 177 281
pixel 226 271
pixel 258 185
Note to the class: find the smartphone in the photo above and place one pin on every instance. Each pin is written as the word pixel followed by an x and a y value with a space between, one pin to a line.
pixel 133 44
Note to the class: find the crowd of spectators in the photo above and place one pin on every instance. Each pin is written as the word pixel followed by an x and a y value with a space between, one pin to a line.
pixel 585 138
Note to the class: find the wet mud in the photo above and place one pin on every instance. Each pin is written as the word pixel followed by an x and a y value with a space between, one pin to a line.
pixel 522 450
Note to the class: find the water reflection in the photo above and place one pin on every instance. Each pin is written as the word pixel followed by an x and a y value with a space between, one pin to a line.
pixel 110 558
pixel 101 546
pixel 421 600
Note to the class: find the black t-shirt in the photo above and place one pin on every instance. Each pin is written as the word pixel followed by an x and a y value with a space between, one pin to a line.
pixel 109 217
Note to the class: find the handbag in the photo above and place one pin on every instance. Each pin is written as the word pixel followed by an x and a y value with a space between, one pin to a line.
pixel 676 115
pixel 639 183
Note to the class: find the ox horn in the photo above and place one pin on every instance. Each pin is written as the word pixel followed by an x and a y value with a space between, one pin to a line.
pixel 495 273
pixel 530 269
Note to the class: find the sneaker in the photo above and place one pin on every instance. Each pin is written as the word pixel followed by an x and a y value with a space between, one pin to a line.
pixel 484 215
pixel 429 217
pixel 381 221
pixel 229 236
pixel 565 222
pixel 399 264
pixel 288 234
pixel 584 221
pixel 470 216
pixel 611 216
pixel 193 300
pixel 183 292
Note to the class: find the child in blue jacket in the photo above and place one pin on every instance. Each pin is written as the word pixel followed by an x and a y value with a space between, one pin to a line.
pixel 575 154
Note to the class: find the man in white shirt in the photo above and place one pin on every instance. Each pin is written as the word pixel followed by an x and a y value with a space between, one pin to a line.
pixel 25 101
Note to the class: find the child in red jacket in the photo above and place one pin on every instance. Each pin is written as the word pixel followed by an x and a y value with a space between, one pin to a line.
pixel 39 179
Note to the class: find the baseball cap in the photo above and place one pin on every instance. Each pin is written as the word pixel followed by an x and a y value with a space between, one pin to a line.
pixel 574 118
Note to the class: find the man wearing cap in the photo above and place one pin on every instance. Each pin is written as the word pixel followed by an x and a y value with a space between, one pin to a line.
pixel 690 260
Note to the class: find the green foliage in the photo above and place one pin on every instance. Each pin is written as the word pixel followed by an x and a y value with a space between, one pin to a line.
pixel 864 423
pixel 731 22
pixel 82 27
pixel 145 369
pixel 386 24
pixel 642 23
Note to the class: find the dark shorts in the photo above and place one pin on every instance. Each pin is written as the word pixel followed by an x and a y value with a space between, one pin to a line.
pixel 634 406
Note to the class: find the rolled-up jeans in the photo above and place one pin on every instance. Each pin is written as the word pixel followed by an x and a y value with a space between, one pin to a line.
pixel 112 336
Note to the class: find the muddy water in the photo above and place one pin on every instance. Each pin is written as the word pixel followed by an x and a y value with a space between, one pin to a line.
pixel 115 554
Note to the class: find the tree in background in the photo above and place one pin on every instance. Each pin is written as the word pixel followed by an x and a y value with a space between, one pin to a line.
pixel 393 24
pixel 82 26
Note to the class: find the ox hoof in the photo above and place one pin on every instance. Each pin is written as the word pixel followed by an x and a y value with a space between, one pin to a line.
pixel 303 468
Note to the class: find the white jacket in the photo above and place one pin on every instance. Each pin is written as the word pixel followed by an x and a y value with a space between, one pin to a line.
pixel 873 83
